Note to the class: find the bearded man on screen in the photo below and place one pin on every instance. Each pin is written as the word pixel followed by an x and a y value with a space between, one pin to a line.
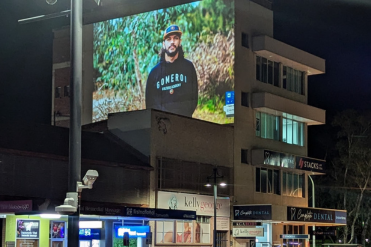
pixel 172 84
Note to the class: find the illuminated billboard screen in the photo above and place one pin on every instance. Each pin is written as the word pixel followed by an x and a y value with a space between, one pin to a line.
pixel 179 60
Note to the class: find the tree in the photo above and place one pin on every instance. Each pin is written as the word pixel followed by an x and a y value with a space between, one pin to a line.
pixel 350 172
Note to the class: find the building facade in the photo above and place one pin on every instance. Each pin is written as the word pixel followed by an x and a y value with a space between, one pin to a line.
pixel 258 139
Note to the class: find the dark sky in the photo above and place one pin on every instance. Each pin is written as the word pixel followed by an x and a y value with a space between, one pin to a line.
pixel 336 30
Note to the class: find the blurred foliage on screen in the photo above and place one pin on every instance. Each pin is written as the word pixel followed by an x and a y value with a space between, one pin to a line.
pixel 126 49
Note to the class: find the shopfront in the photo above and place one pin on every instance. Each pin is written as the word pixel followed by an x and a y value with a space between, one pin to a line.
pixel 274 225
pixel 100 226
pixel 193 232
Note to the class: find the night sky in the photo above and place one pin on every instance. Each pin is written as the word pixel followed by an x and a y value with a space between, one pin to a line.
pixel 336 30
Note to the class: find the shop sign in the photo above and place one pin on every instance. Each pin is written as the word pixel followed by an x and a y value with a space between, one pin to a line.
pixel 325 233
pixel 89 233
pixel 28 228
pixel 340 217
pixel 248 232
pixel 292 161
pixel 15 206
pixel 247 223
pixel 222 223
pixel 252 212
pixel 294 236
pixel 100 210
pixel 133 231
pixel 175 214
pixel 203 205
pixel 315 215
pixel 159 213
pixel 309 164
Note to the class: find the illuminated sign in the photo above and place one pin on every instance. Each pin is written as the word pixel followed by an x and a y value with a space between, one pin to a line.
pixel 134 231
pixel 203 205
pixel 248 232
pixel 28 228
pixel 91 224
pixel 294 236
pixel 316 215
pixel 253 212
pixel 166 60
pixel 88 233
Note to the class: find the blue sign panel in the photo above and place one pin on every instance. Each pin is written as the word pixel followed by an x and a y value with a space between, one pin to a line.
pixel 340 217
pixel 294 236
pixel 87 233
pixel 134 231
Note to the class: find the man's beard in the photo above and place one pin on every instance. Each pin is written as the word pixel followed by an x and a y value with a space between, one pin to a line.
pixel 173 53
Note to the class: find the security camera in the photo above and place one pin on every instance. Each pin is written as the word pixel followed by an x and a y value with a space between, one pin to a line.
pixel 65 209
pixel 70 204
pixel 90 177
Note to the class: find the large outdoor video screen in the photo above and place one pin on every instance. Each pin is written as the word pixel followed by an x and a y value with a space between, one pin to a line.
pixel 179 59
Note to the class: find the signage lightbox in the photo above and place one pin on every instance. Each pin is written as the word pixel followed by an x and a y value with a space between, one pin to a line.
pixel 133 231
pixel 248 232
pixel 252 212
pixel 294 236
pixel 165 59
pixel 28 228
pixel 291 161
pixel 315 215
pixel 159 213
pixel 203 205
pixel 15 206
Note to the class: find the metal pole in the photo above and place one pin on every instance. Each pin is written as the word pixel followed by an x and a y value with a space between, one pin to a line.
pixel 215 196
pixel 74 171
pixel 313 206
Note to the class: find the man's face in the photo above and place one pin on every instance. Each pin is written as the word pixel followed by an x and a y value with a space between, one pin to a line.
pixel 171 44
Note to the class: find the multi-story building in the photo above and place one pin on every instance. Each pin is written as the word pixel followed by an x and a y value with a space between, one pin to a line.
pixel 250 122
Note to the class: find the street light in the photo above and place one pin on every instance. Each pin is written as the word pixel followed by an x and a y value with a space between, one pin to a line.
pixel 313 206
pixel 214 178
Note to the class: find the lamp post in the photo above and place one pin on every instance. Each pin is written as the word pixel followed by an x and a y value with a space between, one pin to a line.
pixel 214 178
pixel 313 206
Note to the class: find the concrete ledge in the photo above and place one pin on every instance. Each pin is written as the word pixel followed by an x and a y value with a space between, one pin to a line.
pixel 276 105
pixel 288 55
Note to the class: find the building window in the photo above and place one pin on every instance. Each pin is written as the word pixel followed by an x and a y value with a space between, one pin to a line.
pixel 66 91
pixel 245 40
pixel 58 92
pixel 183 231
pixel 202 230
pixel 293 80
pixel 267 71
pixel 292 132
pixel 164 232
pixel 293 184
pixel 267 181
pixel 294 230
pixel 244 156
pixel 245 99
pixel 267 126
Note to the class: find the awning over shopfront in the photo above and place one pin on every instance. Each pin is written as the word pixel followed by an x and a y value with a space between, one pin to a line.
pixel 289 214
pixel 120 212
